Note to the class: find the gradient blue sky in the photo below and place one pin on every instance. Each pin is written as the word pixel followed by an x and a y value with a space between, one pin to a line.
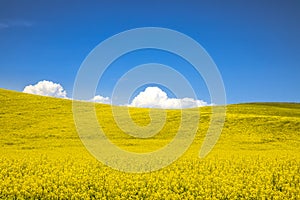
pixel 255 44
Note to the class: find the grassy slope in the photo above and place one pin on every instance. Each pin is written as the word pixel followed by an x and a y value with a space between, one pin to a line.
pixel 36 122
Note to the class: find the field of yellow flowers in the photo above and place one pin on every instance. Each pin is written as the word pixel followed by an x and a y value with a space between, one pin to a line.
pixel 42 157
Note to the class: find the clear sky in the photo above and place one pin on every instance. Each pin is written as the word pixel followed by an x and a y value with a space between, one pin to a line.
pixel 255 44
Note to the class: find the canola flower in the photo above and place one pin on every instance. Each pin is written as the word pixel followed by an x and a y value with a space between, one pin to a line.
pixel 257 156
pixel 213 178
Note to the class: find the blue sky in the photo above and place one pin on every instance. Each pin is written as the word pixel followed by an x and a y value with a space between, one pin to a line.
pixel 255 44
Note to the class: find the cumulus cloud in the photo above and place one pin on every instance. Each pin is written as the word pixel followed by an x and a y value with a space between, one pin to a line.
pixel 101 99
pixel 46 88
pixel 154 97
pixel 151 97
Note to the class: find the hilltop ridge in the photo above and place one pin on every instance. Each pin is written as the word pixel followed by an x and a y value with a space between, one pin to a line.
pixel 32 122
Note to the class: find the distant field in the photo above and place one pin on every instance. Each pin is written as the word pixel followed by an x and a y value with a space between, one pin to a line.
pixel 256 157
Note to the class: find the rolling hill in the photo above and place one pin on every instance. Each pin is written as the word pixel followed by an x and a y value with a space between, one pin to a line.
pixel 34 122
pixel 42 155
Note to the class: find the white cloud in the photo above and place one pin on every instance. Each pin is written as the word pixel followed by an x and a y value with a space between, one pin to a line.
pixel 3 25
pixel 101 99
pixel 154 97
pixel 46 88
pixel 151 97
pixel 10 23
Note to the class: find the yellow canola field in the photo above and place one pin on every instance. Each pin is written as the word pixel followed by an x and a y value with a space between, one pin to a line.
pixel 42 157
